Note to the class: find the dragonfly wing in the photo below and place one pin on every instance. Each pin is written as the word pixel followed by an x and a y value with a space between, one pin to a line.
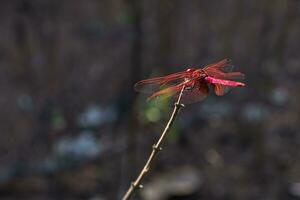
pixel 233 75
pixel 167 92
pixel 195 94
pixel 220 90
pixel 221 75
pixel 223 70
pixel 219 65
pixel 153 84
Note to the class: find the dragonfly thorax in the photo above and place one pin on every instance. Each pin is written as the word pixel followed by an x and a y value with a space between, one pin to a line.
pixel 191 75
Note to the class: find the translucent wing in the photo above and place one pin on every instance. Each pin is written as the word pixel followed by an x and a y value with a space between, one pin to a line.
pixel 219 65
pixel 223 70
pixel 166 93
pixel 221 75
pixel 197 92
pixel 220 90
pixel 153 84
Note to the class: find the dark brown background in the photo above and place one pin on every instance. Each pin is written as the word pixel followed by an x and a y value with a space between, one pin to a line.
pixel 73 128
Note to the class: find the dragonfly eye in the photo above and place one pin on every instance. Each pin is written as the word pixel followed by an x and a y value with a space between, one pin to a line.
pixel 190 70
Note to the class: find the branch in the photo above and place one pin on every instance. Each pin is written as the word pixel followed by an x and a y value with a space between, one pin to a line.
pixel 155 149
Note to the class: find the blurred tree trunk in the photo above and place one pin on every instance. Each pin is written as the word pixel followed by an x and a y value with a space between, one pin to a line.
pixel 134 8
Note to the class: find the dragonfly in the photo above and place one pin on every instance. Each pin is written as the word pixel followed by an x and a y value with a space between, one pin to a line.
pixel 197 83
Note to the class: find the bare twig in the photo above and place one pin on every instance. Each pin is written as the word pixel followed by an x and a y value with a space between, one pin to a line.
pixel 155 149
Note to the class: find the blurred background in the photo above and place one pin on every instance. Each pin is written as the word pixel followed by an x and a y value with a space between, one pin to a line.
pixel 72 126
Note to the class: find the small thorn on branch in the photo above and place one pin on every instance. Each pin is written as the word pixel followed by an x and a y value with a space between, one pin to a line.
pixel 133 184
pixel 155 147
pixel 180 105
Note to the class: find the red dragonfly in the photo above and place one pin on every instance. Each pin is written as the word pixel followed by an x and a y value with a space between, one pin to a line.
pixel 217 76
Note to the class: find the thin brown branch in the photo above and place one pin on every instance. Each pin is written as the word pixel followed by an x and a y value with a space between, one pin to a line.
pixel 155 149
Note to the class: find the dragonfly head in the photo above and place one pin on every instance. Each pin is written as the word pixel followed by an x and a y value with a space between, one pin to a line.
pixel 190 70
pixel 191 73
